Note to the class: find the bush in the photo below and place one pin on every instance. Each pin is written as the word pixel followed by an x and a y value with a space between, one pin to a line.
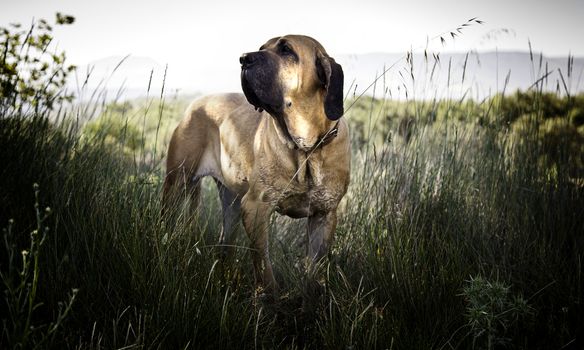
pixel 31 78
pixel 114 132
pixel 493 313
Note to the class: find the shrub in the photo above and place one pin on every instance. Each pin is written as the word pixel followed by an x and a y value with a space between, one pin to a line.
pixel 31 77
pixel 492 312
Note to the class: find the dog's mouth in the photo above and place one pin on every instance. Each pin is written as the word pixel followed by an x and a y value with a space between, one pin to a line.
pixel 262 95
pixel 259 81
pixel 249 92
pixel 262 91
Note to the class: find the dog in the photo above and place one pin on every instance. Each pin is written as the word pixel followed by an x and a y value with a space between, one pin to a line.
pixel 280 146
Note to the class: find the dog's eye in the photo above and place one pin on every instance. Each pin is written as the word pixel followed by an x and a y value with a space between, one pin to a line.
pixel 286 50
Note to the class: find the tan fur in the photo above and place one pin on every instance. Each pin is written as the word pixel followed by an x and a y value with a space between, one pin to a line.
pixel 258 167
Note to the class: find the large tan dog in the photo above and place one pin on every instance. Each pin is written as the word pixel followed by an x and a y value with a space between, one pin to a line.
pixel 293 158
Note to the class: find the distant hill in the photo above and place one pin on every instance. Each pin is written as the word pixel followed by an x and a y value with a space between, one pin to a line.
pixel 484 73
pixel 116 75
pixel 434 76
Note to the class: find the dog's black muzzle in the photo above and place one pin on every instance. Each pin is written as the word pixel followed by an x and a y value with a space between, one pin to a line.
pixel 259 81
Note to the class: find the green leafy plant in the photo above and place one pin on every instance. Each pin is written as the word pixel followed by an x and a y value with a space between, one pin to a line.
pixel 492 311
pixel 114 132
pixel 31 75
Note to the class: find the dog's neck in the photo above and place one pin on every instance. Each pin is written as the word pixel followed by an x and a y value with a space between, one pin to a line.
pixel 282 132
pixel 328 137
pixel 286 138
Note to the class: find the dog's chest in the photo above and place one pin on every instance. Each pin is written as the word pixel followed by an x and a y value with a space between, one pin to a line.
pixel 303 204
pixel 304 191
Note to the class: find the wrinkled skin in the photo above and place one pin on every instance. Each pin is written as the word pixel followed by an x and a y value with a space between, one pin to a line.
pixel 293 85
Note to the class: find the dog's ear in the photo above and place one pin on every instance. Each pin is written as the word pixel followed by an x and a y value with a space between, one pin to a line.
pixel 331 75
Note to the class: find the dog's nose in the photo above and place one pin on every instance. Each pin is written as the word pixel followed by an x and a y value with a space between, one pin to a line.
pixel 247 60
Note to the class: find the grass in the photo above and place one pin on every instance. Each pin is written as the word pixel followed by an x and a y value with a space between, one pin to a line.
pixel 462 228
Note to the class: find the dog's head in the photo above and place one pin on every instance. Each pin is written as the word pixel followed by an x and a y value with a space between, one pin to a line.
pixel 296 81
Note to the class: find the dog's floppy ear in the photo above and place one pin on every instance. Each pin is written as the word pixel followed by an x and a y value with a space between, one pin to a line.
pixel 331 75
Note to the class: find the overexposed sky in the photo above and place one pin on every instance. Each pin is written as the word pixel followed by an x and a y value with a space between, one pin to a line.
pixel 209 35
pixel 191 30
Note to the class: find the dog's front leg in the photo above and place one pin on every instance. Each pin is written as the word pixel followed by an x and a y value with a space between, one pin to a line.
pixel 256 215
pixel 321 229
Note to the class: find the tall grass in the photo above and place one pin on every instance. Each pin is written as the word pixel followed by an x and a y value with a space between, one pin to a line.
pixel 454 234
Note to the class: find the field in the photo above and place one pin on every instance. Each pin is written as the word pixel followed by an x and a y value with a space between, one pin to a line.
pixel 463 228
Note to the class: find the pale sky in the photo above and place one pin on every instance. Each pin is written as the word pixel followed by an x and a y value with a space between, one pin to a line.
pixel 212 34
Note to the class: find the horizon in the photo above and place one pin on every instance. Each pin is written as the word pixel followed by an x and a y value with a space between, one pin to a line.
pixel 485 73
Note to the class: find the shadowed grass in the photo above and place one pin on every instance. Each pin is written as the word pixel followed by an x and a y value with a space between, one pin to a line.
pixel 423 219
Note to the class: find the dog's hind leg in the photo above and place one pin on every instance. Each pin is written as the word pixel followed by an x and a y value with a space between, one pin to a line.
pixel 194 193
pixel 174 190
pixel 185 152
pixel 231 209
pixel 180 185
pixel 168 194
